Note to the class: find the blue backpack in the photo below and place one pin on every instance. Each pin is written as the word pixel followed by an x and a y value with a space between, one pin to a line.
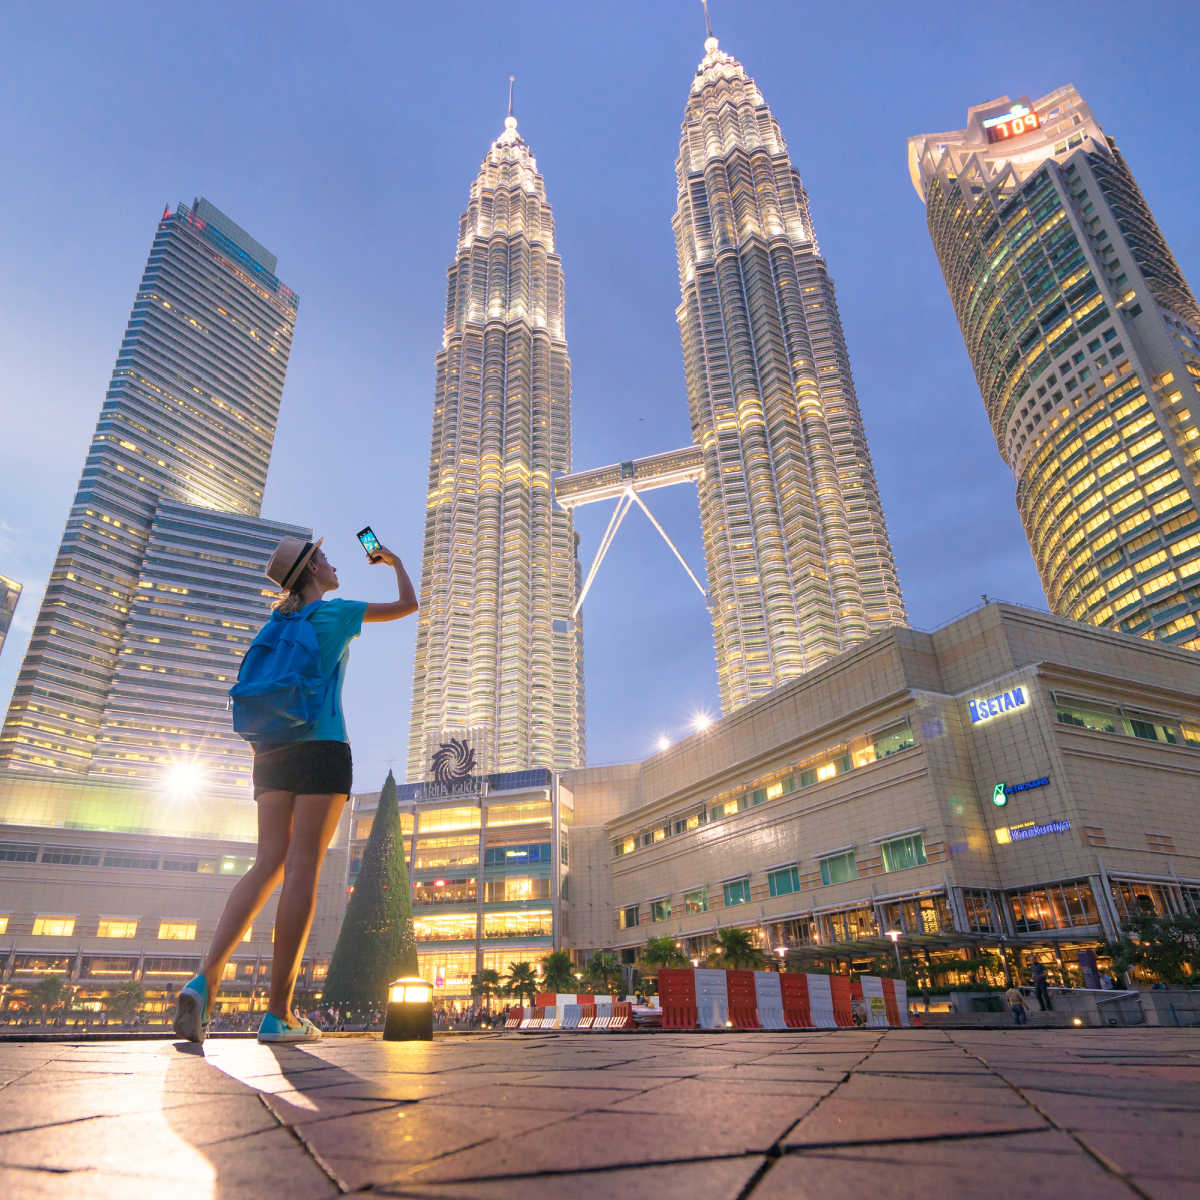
pixel 280 687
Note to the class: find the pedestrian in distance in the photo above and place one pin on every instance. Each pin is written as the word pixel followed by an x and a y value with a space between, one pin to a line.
pixel 1041 987
pixel 288 705
pixel 1015 998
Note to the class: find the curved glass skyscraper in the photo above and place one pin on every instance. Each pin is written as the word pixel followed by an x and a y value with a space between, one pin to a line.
pixel 799 561
pixel 1085 339
pixel 498 677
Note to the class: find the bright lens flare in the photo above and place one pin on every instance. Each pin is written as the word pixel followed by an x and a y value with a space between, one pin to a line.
pixel 664 742
pixel 701 721
pixel 184 780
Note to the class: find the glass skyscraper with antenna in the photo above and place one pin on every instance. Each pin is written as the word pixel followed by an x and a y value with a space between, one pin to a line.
pixel 498 673
pixel 799 561
pixel 1085 339
pixel 157 586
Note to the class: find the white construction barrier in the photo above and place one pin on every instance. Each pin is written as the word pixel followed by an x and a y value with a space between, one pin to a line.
pixel 769 999
pixel 712 999
pixel 820 1002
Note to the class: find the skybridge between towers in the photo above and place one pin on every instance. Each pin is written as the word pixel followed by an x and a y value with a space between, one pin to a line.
pixel 624 482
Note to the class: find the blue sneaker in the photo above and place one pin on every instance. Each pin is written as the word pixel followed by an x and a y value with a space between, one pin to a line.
pixel 191 1010
pixel 273 1029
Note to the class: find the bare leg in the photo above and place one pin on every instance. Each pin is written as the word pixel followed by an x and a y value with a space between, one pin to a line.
pixel 254 888
pixel 314 823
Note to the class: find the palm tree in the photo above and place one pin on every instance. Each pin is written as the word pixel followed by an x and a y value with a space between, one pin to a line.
pixel 605 972
pixel 126 1001
pixel 662 952
pixel 737 950
pixel 521 981
pixel 49 993
pixel 486 985
pixel 557 975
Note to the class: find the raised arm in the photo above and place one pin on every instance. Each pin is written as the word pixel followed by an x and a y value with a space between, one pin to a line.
pixel 406 597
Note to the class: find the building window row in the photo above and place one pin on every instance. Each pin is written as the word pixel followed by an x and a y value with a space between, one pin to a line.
pixel 79 856
pixel 64 925
pixel 898 854
pixel 815 769
pixel 1099 716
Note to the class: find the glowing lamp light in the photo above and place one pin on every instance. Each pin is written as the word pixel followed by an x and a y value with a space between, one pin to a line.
pixel 409 1011
pixel 183 780
pixel 408 991
pixel 1076 1020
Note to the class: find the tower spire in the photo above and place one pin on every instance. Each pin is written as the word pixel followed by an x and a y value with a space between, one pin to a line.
pixel 511 80
pixel 707 20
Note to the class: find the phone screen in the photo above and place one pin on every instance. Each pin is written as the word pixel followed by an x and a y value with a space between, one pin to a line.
pixel 370 543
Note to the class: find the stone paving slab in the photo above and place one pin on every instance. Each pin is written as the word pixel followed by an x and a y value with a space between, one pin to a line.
pixel 920 1113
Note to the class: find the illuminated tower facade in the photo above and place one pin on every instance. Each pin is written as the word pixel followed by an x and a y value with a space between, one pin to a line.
pixel 799 561
pixel 498 659
pixel 1085 339
pixel 10 593
pixel 157 585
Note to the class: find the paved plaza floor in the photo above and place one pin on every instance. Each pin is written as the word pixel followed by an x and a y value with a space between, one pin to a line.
pixel 856 1113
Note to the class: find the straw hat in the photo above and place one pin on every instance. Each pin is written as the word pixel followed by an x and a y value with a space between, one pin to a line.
pixel 288 559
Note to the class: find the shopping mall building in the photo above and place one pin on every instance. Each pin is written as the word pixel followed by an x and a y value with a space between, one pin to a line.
pixel 1012 779
pixel 1011 782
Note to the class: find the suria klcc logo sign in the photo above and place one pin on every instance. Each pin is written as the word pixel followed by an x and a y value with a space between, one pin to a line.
pixel 453 761
pixel 998 705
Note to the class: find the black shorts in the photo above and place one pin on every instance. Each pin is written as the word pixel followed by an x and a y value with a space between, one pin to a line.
pixel 304 768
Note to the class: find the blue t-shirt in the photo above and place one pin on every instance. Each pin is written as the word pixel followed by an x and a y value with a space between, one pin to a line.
pixel 337 623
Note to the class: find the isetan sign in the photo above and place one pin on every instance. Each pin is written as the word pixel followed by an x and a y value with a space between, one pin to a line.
pixel 995 706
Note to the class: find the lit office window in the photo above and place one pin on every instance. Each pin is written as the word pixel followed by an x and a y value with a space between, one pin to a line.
pixel 4 923
pixel 528 812
pixel 627 918
pixel 177 931
pixel 53 926
pixel 696 901
pixel 435 819
pixel 737 892
pixel 660 910
pixel 117 927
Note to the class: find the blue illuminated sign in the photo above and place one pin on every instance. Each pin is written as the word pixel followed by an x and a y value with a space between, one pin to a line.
pixel 1002 791
pixel 1020 833
pixel 993 706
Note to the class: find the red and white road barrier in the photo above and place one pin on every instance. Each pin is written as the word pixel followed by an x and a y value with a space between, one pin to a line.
pixel 719 999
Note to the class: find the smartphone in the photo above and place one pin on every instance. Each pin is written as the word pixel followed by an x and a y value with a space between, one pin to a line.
pixel 370 543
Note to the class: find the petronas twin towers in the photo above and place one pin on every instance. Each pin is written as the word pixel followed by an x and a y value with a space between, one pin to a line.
pixel 799 562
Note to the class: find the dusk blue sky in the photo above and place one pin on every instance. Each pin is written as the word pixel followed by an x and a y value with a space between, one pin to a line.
pixel 344 137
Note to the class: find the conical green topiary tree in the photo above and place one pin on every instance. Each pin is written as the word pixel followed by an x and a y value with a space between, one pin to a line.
pixel 376 943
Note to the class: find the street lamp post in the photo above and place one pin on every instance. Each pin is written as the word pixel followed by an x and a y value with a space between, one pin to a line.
pixel 782 952
pixel 895 935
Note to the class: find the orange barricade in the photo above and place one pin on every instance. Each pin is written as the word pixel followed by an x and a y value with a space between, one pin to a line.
pixel 588 1017
pixel 889 1002
pixel 545 1000
pixel 677 996
pixel 743 1001
pixel 513 1020
pixel 622 1015
pixel 843 1011
pixel 794 989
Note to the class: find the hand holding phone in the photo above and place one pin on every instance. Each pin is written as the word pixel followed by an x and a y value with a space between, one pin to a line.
pixel 370 543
